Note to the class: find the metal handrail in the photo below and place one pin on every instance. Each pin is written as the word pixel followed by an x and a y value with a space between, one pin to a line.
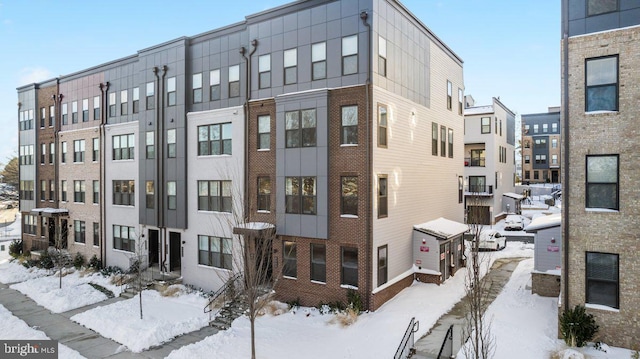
pixel 407 340
pixel 447 338
pixel 223 290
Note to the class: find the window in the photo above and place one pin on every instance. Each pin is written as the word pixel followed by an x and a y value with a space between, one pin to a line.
pixel 171 91
pixel 52 115
pixel 554 143
pixel 382 196
pixel 264 193
pixel 300 200
pixel 349 125
pixel 349 269
pixel 26 190
pixel 450 143
pixel 527 159
pixel 289 259
pixel 96 192
pixel 527 175
pixel 150 148
pixel 124 193
pixel 25 158
pixel 43 153
pixel 290 66
pixel 214 196
pixel 171 143
pixel 449 95
pixel 95 155
pixel 602 181
pixel 78 191
pixel 124 238
pixel 234 81
pixel 382 126
pixel 477 184
pixel 124 103
pixel 460 102
pixel 43 116
pixel 85 110
pixel 554 159
pixel 349 55
pixel 300 128
pixel 485 124
pixel 96 108
pixel 527 144
pixel 526 128
pixel 43 190
pixel 264 71
pixel 151 100
pixel 112 104
pixel 172 198
pixel 150 194
pixel 123 147
pixel 541 143
pixel 602 84
pixel 136 100
pixel 500 127
pixel 602 279
pixel 78 151
pixel 434 138
pixel 96 234
pixel 214 85
pixel 74 112
pixel 318 262
pixel 535 128
pixel 79 231
pixel 264 132
pixel 460 189
pixel 382 265
pixel 214 139
pixel 319 61
pixel 545 127
pixel 554 127
pixel 382 56
pixel 52 190
pixel 496 125
pixel 597 7
pixel 196 93
pixel 443 141
pixel 30 224
pixel 214 251
pixel 25 123
pixel 65 116
pixel 349 198
pixel 63 190
pixel 541 159
pixel 536 175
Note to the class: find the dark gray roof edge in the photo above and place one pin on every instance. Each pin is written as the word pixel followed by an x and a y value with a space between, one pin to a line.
pixel 496 100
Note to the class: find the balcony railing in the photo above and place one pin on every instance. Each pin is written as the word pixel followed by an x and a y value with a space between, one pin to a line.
pixel 38 244
pixel 474 162
pixel 479 189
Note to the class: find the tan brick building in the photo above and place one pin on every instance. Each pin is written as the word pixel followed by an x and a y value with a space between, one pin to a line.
pixel 601 267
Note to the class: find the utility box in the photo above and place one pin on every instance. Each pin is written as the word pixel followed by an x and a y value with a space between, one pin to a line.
pixel 438 249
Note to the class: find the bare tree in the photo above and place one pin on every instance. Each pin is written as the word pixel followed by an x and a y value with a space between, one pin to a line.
pixel 138 263
pixel 477 330
pixel 58 252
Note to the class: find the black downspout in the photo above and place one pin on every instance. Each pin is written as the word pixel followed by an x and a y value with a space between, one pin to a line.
pixel 104 89
pixel 368 240
pixel 160 168
pixel 247 96
pixel 565 151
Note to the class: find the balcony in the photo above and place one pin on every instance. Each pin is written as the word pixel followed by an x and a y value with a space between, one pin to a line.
pixel 474 161
pixel 480 190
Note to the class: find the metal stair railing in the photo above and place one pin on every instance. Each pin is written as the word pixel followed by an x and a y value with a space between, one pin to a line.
pixel 230 289
pixel 447 351
pixel 406 349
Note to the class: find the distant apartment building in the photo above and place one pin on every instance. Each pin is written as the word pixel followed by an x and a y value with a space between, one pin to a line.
pixel 489 160
pixel 601 139
pixel 541 147
pixel 338 122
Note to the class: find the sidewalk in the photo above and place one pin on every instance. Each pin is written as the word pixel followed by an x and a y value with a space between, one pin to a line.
pixel 87 342
pixel 429 345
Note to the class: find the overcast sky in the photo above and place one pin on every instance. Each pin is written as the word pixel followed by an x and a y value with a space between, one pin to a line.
pixel 511 49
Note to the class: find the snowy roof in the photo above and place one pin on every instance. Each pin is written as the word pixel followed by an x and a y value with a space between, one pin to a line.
pixel 442 227
pixel 478 110
pixel 255 225
pixel 50 210
pixel 513 195
pixel 542 222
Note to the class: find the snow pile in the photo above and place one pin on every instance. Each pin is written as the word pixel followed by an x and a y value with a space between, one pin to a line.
pixel 164 319
pixel 13 328
pixel 14 272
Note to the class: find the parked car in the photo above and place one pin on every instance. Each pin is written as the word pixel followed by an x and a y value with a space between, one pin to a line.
pixel 513 222
pixel 492 239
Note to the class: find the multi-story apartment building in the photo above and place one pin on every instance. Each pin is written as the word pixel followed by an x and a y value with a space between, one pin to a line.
pixel 600 92
pixel 489 159
pixel 541 147
pixel 315 117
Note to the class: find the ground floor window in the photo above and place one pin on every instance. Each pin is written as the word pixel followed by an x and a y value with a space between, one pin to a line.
pixel 349 270
pixel 124 238
pixel 289 259
pixel 318 262
pixel 382 265
pixel 214 251
pixel 602 279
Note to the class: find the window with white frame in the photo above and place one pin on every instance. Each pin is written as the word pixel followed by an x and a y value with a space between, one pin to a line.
pixel 349 55
pixel 85 110
pixel 112 104
pixel 601 84
pixel 171 143
pixel 602 182
pixel 43 153
pixel 554 143
pixel 43 190
pixel 214 139
pixel 43 116
pixel 215 251
pixel 136 99
pixel 78 150
pixel 434 138
pixel 96 192
pixel 382 196
pixel 300 128
pixel 74 112
pixel 214 85
pixel 319 61
pixel 123 147
pixel 382 265
pixel 554 159
pixel 150 147
pixel 450 143
pixel 349 269
pixel 485 125
pixel 460 102
pixel 52 190
pixel 349 125
pixel 443 141
pixel 264 71
pixel 172 97
pixel 78 191
pixel 214 196
pixel 318 262
pixel 172 199
pixel 349 196
pixel 52 115
pixel 234 81
pixel 290 66
pixel 264 132
pixel 196 93
pixel 79 231
pixel 449 95
pixel 602 283
pixel 382 56
pixel 96 108
pixel 63 190
pixel 52 152
pixel 554 127
pixel 150 96
pixel 63 155
pixel 95 155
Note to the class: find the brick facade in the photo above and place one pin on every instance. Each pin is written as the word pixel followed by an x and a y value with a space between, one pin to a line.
pixel 546 285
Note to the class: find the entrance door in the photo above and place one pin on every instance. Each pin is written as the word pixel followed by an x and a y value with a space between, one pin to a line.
pixel 154 247
pixel 447 260
pixel 554 177
pixel 174 251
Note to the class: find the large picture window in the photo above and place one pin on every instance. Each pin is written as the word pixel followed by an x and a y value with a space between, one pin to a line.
pixel 214 139
pixel 602 182
pixel 602 279
pixel 124 238
pixel 300 128
pixel 601 84
pixel 123 147
pixel 215 252
pixel 124 193
pixel 300 195
pixel 214 196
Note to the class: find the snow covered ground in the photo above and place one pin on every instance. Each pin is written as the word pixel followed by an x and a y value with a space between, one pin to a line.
pixel 13 328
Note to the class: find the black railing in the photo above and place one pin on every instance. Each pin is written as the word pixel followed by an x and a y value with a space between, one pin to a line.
pixel 474 161
pixel 474 188
pixel 39 244
pixel 446 350
pixel 229 290
pixel 406 349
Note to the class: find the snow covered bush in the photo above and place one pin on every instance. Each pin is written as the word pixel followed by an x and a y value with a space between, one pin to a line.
pixel 577 326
